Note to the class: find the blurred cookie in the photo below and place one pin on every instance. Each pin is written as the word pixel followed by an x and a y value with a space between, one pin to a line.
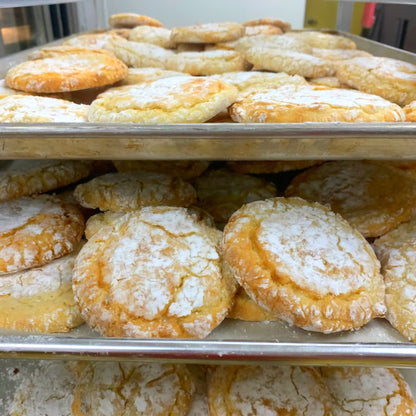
pixel 6 91
pixel 389 78
pixel 30 177
pixel 367 391
pixel 100 220
pixel 130 191
pixel 90 40
pixel 331 82
pixel 269 21
pixel 163 275
pixel 40 299
pixel 410 111
pixel 307 103
pixel 159 36
pixel 267 390
pixel 36 230
pixel 396 251
pixel 132 389
pixel 207 32
pixel 323 40
pixel 130 20
pixel 305 264
pixel 270 166
pixel 262 30
pixel 167 100
pixel 66 69
pixel 139 75
pixel 373 197
pixel 33 109
pixel 338 54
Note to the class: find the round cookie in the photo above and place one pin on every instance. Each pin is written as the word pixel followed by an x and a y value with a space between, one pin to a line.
pixel 270 166
pixel 308 103
pixel 130 191
pixel 36 230
pixel 285 26
pixel 187 294
pixel 262 30
pixel 338 54
pixel 139 75
pixel 90 40
pixel 33 109
pixel 396 252
pixel 389 78
pixel 267 390
pixel 207 32
pixel 119 389
pixel 318 39
pixel 40 299
pixel 305 264
pixel 185 169
pixel 29 177
pixel 366 391
pixel 207 62
pixel 373 197
pixel 130 20
pixel 167 100
pixel 100 220
pixel 410 111
pixel 66 69
pixel 159 36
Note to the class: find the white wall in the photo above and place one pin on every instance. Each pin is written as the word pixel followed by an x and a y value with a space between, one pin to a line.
pixel 173 13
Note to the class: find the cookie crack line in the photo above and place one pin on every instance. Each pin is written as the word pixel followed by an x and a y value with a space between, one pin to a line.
pixel 169 233
pixel 292 380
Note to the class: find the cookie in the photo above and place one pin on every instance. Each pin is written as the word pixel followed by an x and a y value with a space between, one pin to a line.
pixel 66 69
pixel 305 264
pixel 389 78
pixel 119 389
pixel 331 82
pixel 269 21
pixel 267 390
pixel 338 54
pixel 40 299
pixel 139 75
pixel 309 103
pixel 199 403
pixel 270 166
pixel 207 62
pixel 154 273
pixel 90 40
pixel 262 30
pixel 366 391
pixel 396 252
pixel 410 111
pixel 291 62
pixel 159 36
pixel 373 197
pixel 130 20
pixel 221 192
pixel 98 221
pixel 185 169
pixel 33 109
pixel 5 91
pixel 36 230
pixel 130 191
pixel 323 40
pixel 30 177
pixel 167 100
pixel 207 32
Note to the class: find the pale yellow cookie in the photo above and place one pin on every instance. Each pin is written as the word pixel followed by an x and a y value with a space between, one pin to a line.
pixel 207 32
pixel 167 100
pixel 331 82
pixel 154 273
pixel 396 251
pixel 270 166
pixel 305 264
pixel 6 91
pixel 410 111
pixel 374 197
pixel 36 230
pixel 98 221
pixel 262 30
pixel 66 69
pixel 323 40
pixel 159 36
pixel 91 40
pixel 29 177
pixel 40 299
pixel 139 75
pixel 272 21
pixel 267 390
pixel 123 192
pixel 33 109
pixel 130 20
pixel 120 389
pixel 291 62
pixel 313 103
pixel 338 54
pixel 207 62
pixel 366 391
pixel 185 169
pixel 389 78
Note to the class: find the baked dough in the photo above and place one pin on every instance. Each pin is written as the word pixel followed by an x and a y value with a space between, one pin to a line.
pixel 410 111
pixel 272 21
pixel 154 273
pixel 318 39
pixel 308 103
pixel 159 36
pixel 262 30
pixel 130 20
pixel 139 75
pixel 167 100
pixel 98 221
pixel 305 264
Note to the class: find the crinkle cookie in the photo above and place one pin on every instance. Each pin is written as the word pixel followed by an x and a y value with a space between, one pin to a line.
pixel 167 100
pixel 389 78
pixel 267 390
pixel 154 273
pixel 36 230
pixel 366 391
pixel 338 54
pixel 159 36
pixel 40 299
pixel 29 177
pixel 272 21
pixel 98 221
pixel 130 20
pixel 330 82
pixel 305 264
pixel 130 191
pixel 312 103
pixel 318 39
pixel 91 40
pixel 262 30
pixel 139 75
pixel 373 197
pixel 207 32
pixel 410 111
pixel 66 69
